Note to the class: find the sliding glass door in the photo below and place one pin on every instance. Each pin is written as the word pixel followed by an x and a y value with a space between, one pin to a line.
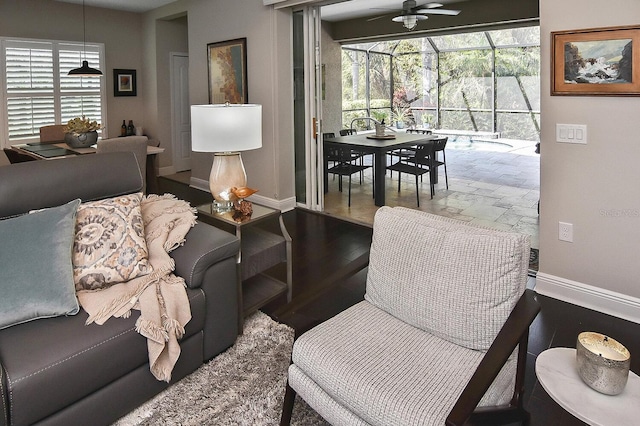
pixel 308 108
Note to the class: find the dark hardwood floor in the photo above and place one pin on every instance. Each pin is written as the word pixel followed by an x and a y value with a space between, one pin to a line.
pixel 329 274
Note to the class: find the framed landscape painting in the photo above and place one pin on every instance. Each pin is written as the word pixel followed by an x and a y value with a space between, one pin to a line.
pixel 599 61
pixel 227 63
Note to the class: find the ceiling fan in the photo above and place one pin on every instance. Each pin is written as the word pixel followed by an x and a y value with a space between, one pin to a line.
pixel 412 13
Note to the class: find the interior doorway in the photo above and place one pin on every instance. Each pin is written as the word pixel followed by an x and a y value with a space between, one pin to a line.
pixel 180 114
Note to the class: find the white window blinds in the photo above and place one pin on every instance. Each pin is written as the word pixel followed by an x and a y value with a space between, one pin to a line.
pixel 39 92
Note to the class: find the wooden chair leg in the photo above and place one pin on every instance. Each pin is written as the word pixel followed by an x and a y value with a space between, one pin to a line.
pixel 417 191
pixel 287 406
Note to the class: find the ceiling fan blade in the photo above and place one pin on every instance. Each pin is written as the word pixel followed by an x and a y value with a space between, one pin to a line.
pixel 375 18
pixel 431 5
pixel 438 11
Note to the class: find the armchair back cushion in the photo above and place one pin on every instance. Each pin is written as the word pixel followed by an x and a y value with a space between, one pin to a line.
pixel 476 272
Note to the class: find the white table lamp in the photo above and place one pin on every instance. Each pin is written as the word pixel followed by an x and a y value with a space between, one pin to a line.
pixel 225 130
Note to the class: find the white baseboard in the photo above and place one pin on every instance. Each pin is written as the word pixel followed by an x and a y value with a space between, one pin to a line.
pixel 199 184
pixel 166 171
pixel 598 299
pixel 282 205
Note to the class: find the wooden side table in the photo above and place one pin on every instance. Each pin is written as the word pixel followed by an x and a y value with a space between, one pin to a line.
pixel 557 373
pixel 259 251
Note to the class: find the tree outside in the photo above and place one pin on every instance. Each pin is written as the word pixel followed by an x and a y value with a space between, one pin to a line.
pixel 482 82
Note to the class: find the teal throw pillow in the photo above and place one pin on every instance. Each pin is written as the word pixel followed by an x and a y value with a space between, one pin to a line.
pixel 36 273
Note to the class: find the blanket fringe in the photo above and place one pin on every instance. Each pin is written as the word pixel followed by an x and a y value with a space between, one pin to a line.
pixel 130 299
pixel 166 221
pixel 173 328
pixel 151 331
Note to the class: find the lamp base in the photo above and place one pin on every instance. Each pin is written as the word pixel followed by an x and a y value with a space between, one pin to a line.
pixel 227 173
pixel 222 206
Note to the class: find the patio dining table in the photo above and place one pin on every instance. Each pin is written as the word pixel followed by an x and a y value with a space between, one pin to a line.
pixel 379 148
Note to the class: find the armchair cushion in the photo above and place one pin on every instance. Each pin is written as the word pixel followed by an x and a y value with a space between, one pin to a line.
pixel 366 364
pixel 36 278
pixel 479 273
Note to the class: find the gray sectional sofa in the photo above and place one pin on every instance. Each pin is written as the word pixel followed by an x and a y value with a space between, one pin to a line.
pixel 59 371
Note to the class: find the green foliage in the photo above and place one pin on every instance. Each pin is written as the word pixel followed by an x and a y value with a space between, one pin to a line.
pixel 465 77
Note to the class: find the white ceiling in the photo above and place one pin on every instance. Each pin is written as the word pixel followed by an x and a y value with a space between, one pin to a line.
pixel 126 5
pixel 348 9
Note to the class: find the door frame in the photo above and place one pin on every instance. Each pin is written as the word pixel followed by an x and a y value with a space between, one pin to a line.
pixel 175 134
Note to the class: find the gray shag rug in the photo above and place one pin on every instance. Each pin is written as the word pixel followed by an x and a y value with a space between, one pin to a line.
pixel 242 386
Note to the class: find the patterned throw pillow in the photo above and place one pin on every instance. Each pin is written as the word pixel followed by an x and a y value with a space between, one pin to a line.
pixel 109 245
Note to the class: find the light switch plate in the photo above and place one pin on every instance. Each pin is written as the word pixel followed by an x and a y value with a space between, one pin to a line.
pixel 571 133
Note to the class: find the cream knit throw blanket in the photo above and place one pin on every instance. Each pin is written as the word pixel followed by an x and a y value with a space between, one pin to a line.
pixel 160 296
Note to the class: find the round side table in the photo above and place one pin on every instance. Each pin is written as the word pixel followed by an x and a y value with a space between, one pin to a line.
pixel 557 373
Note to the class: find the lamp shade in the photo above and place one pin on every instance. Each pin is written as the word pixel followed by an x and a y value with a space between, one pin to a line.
pixel 85 71
pixel 226 128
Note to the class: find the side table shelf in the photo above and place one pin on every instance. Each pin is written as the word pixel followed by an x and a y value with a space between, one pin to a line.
pixel 259 250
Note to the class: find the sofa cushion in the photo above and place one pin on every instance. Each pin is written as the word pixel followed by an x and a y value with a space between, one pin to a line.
pixel 422 267
pixel 53 363
pixel 110 246
pixel 367 363
pixel 36 278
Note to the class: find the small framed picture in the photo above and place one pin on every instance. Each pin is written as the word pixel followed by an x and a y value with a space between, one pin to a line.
pixel 124 83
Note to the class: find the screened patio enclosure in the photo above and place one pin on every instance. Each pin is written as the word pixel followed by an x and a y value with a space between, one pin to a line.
pixel 478 83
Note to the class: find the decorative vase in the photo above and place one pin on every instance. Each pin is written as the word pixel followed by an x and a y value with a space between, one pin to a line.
pixel 81 140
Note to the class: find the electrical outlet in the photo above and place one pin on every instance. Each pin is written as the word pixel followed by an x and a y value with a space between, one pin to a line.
pixel 565 231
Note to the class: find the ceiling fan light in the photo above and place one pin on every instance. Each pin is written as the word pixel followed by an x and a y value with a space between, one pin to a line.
pixel 409 21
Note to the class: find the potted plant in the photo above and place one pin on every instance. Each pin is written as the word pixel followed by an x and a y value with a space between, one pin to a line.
pixel 399 115
pixel 81 132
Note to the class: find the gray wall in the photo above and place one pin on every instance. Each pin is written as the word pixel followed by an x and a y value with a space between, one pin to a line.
pixel 594 186
pixel 121 32
pixel 268 33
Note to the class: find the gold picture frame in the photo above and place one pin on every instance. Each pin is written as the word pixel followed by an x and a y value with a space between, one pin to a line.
pixel 597 61
pixel 227 62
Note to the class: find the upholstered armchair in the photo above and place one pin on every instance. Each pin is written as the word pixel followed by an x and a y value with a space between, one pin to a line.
pixel 441 337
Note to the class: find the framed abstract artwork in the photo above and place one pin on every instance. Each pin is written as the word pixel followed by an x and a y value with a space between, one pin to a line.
pixel 227 61
pixel 597 61
pixel 124 83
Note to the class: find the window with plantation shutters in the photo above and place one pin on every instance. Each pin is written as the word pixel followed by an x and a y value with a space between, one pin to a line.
pixel 38 91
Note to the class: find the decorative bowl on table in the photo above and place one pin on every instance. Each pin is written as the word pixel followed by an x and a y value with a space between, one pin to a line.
pixel 81 140
pixel 81 132
pixel 602 362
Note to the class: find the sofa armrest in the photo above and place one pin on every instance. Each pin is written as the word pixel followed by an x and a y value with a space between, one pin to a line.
pixel 514 332
pixel 205 245
pixel 4 399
